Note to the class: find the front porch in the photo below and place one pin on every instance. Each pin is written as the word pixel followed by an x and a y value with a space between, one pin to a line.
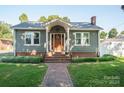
pixel 57 37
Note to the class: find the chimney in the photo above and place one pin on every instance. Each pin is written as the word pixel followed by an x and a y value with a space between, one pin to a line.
pixel 93 20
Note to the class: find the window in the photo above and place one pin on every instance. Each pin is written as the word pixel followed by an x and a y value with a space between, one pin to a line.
pixel 36 38
pixel 86 39
pixel 28 38
pixel 82 38
pixel 78 39
pixel 32 38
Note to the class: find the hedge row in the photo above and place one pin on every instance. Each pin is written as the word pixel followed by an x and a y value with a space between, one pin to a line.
pixel 95 59
pixel 21 59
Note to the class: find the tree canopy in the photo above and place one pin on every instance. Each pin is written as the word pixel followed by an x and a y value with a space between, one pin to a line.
pixel 103 35
pixel 122 7
pixel 112 33
pixel 122 33
pixel 42 19
pixel 51 17
pixel 23 17
pixel 5 31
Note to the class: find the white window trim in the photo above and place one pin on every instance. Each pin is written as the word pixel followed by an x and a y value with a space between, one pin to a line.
pixel 32 39
pixel 82 33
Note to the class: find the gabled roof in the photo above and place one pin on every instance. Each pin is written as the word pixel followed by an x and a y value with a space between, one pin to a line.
pixel 58 21
pixel 74 26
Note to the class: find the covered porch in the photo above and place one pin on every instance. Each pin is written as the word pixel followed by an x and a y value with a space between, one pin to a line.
pixel 57 36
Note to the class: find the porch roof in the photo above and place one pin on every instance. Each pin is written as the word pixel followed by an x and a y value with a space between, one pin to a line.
pixel 41 26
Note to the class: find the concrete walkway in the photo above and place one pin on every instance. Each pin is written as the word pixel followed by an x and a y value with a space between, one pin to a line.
pixel 57 76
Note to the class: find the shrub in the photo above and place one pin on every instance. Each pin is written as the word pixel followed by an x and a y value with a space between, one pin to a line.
pixel 84 59
pixel 106 58
pixel 108 55
pixel 22 59
pixel 100 59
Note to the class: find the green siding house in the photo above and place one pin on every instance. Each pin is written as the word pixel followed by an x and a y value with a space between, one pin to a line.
pixel 81 39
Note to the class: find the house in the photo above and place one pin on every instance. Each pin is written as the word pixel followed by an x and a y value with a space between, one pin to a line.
pixel 113 46
pixel 81 39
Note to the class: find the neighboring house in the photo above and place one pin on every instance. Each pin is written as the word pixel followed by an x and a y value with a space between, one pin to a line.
pixel 78 38
pixel 113 46
pixel 6 44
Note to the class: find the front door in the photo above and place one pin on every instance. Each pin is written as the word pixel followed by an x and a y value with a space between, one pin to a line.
pixel 57 42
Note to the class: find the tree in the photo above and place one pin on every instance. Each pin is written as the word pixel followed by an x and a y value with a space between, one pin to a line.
pixel 122 33
pixel 122 7
pixel 66 19
pixel 5 31
pixel 42 19
pixel 112 33
pixel 51 17
pixel 23 17
pixel 103 35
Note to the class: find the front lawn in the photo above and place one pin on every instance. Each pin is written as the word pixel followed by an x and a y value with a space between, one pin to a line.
pixel 21 75
pixel 97 74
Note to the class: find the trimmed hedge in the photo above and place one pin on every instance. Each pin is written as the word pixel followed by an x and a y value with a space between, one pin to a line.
pixel 95 59
pixel 108 55
pixel 21 59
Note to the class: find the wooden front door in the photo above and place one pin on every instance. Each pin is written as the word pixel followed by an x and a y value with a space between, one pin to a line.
pixel 57 42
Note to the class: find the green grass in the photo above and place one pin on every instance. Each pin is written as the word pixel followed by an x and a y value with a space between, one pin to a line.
pixel 97 74
pixel 21 75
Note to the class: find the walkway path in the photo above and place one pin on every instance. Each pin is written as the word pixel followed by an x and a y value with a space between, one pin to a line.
pixel 57 76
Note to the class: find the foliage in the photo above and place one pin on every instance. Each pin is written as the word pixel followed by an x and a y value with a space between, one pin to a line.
pixel 113 33
pixel 122 7
pixel 93 59
pixel 51 17
pixel 42 19
pixel 103 35
pixel 21 75
pixel 97 75
pixel 21 59
pixel 109 55
pixel 122 33
pixel 5 31
pixel 66 19
pixel 23 17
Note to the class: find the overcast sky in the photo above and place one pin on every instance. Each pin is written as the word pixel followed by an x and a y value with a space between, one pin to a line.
pixel 107 16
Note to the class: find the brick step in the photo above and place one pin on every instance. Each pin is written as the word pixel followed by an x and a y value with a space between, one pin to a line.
pixel 56 57
pixel 57 61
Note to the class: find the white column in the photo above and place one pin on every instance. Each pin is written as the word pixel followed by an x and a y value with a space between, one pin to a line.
pixel 68 39
pixel 14 39
pixel 98 43
pixel 47 30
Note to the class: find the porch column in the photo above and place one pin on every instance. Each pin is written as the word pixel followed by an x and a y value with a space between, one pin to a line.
pixel 47 30
pixel 68 38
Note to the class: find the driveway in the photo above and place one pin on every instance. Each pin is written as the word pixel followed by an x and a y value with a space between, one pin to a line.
pixel 57 76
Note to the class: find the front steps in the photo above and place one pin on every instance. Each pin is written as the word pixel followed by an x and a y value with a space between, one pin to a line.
pixel 57 57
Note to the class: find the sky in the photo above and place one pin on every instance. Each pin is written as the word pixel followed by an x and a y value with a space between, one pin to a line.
pixel 107 16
